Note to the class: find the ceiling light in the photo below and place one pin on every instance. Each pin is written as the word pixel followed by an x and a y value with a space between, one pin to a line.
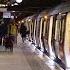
pixel 29 19
pixel 45 17
pixel 12 5
pixel 22 21
pixel 13 11
pixel 15 3
pixel 18 1
pixel 3 5
pixel 19 22
pixel 59 13
pixel 6 5
pixel 16 16
pixel 12 17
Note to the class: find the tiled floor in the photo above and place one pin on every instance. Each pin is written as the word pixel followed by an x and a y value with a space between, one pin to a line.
pixel 26 57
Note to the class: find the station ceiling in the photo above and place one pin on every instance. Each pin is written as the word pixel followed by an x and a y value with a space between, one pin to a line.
pixel 29 7
pixel 35 5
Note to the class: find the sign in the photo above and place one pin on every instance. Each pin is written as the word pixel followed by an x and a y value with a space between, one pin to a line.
pixel 6 15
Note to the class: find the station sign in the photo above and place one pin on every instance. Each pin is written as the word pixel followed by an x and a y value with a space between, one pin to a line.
pixel 6 15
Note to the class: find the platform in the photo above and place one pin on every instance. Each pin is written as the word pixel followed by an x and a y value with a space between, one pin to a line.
pixel 26 57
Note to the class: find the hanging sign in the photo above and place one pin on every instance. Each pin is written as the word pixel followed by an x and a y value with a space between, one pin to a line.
pixel 6 15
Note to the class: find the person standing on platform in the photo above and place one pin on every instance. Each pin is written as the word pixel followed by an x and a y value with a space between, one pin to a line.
pixel 13 30
pixel 23 31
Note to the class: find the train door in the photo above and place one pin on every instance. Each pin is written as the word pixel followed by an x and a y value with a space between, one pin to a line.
pixel 39 33
pixel 67 42
pixel 53 33
pixel 43 35
pixel 59 35
pixel 47 34
pixel 42 32
pixel 45 30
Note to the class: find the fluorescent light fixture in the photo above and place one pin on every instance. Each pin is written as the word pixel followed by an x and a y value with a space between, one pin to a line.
pixel 18 1
pixel 3 5
pixel 22 21
pixel 19 22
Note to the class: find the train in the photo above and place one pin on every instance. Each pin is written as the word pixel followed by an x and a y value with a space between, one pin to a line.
pixel 50 33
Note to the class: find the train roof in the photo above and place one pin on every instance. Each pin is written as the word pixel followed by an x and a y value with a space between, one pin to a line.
pixel 62 8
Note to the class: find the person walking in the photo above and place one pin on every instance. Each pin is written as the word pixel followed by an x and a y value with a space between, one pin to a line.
pixel 23 31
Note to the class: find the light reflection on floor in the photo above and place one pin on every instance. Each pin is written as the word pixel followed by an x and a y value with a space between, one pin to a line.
pixel 47 60
pixel 51 64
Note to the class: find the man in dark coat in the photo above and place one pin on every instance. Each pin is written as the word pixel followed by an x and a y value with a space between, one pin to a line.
pixel 23 31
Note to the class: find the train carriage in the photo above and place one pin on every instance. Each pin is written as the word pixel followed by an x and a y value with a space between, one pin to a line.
pixel 54 33
pixel 50 32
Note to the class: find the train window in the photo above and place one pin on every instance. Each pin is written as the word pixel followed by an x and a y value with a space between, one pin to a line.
pixel 42 27
pixel 28 26
pixel 53 31
pixel 36 28
pixel 47 28
pixel 39 27
pixel 62 33
pixel 57 30
pixel 33 26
